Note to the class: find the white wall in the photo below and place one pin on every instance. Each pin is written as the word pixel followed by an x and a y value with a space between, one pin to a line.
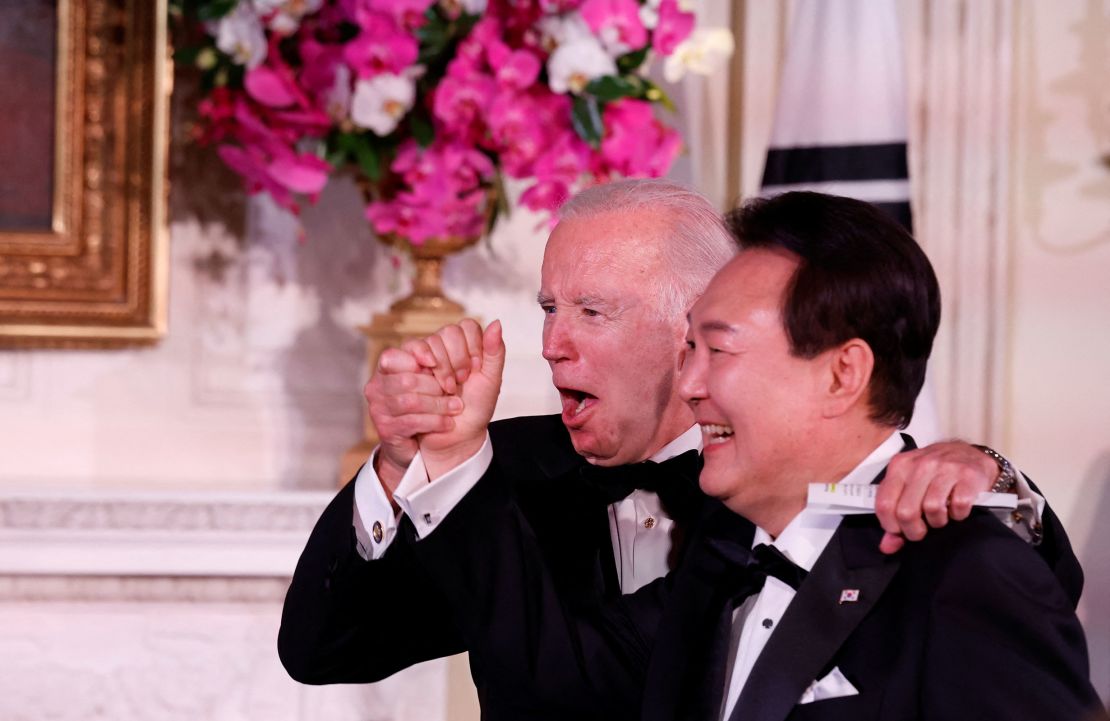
pixel 1057 390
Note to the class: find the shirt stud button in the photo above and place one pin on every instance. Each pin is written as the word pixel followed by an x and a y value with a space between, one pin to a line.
pixel 767 623
pixel 377 532
pixel 649 522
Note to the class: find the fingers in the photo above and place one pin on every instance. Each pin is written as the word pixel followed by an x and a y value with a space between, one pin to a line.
pixel 493 351
pixel 406 404
pixel 928 487
pixel 407 427
pixel 451 353
pixel 891 543
pixel 886 498
pixel 903 504
pixel 472 332
pixel 433 357
pixel 395 360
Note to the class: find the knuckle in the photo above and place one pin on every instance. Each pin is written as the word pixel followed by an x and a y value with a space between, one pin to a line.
pixel 906 514
pixel 408 403
pixel 884 506
pixel 934 507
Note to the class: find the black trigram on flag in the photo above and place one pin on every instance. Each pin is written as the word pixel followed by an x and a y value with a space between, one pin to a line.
pixel 840 123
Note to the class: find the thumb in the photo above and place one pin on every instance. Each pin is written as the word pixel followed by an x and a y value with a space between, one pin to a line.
pixel 891 543
pixel 493 352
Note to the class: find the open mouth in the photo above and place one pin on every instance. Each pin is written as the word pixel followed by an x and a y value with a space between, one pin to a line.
pixel 575 403
pixel 714 434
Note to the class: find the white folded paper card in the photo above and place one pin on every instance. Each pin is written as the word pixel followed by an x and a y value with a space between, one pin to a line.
pixel 852 498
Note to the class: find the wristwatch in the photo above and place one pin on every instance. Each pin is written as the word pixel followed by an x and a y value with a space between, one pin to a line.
pixel 1007 477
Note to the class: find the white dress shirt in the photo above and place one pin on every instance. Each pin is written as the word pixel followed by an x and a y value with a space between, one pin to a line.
pixel 802 541
pixel 641 531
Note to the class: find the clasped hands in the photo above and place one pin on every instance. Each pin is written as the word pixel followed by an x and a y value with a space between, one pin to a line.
pixel 437 395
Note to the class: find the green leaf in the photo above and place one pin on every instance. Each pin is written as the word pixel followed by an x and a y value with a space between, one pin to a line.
pixel 586 118
pixel 434 37
pixel 422 130
pixel 216 9
pixel 656 94
pixel 186 56
pixel 369 160
pixel 610 87
pixel 630 61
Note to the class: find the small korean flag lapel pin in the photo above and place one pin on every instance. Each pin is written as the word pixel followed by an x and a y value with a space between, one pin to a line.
pixel 849 595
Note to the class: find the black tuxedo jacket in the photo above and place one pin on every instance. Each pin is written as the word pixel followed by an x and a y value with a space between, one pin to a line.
pixel 347 620
pixel 966 624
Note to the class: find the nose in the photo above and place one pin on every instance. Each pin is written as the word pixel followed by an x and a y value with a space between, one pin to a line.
pixel 558 339
pixel 691 377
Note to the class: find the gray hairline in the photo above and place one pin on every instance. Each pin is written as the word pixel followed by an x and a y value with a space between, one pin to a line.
pixel 697 243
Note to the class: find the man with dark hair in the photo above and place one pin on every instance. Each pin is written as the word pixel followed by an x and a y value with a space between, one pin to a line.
pixel 804 356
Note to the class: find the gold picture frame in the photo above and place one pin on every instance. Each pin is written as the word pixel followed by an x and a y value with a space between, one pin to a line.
pixel 94 272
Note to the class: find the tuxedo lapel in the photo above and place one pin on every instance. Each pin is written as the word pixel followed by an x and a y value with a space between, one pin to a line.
pixel 817 623
pixel 677 674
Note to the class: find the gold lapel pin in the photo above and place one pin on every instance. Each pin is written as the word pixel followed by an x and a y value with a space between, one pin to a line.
pixel 849 595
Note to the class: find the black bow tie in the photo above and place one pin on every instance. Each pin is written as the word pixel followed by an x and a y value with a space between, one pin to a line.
pixel 755 565
pixel 672 478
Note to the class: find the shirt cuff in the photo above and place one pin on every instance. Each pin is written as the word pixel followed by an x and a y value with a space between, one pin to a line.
pixel 374 519
pixel 1027 516
pixel 1025 520
pixel 427 503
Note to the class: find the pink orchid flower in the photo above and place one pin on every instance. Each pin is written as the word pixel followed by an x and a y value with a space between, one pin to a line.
pixel 381 47
pixel 616 23
pixel 635 143
pixel 674 26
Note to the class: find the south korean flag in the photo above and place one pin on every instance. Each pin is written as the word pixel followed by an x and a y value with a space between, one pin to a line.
pixel 841 118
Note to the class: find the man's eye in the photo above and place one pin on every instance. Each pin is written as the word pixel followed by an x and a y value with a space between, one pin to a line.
pixel 548 309
pixel 590 312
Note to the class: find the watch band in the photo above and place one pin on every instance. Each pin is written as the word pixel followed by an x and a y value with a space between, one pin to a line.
pixel 1007 477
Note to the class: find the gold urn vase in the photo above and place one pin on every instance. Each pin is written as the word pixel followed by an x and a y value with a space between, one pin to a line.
pixel 422 312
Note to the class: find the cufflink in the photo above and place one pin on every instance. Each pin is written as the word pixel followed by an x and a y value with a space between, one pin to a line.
pixel 377 532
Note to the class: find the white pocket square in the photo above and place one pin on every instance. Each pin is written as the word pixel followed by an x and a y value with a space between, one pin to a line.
pixel 834 685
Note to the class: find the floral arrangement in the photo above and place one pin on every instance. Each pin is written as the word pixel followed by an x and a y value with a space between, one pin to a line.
pixel 433 103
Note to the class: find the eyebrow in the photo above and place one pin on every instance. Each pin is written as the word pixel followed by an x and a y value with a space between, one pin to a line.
pixel 582 300
pixel 717 325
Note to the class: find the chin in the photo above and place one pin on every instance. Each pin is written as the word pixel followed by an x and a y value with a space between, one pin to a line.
pixel 587 446
pixel 714 484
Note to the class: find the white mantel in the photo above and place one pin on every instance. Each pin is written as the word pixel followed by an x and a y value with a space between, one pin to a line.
pixel 164 606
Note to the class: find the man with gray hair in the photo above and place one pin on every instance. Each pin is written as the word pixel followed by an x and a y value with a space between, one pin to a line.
pixel 607 487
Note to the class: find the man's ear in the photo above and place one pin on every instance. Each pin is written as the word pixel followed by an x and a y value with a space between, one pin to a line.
pixel 849 367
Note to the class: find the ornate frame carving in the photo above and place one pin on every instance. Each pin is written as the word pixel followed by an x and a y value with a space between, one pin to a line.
pixel 98 277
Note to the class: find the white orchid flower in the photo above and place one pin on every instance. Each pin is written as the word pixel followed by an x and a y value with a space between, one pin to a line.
pixel 474 7
pixel 703 53
pixel 380 102
pixel 285 15
pixel 649 13
pixel 573 65
pixel 559 30
pixel 239 34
